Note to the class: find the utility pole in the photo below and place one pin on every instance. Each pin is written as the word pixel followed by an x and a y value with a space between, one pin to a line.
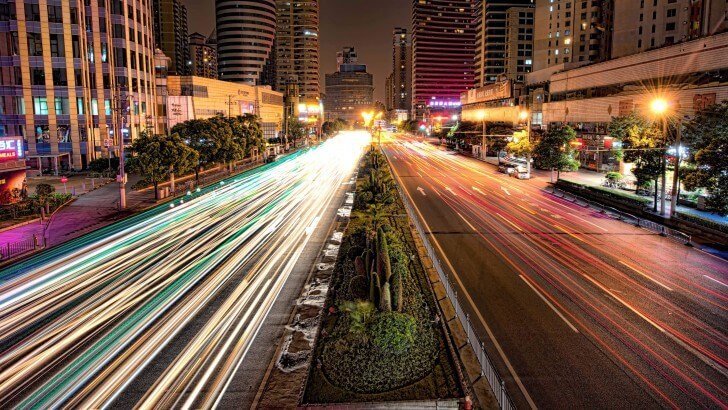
pixel 485 142
pixel 120 119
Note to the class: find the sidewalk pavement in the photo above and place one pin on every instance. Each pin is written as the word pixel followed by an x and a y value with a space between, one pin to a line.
pixel 89 211
pixel 94 209
pixel 593 178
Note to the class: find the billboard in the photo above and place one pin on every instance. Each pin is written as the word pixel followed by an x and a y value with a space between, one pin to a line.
pixel 11 149
pixel 491 92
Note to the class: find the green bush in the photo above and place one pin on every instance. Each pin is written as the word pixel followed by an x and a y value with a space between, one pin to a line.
pixel 43 190
pixel 393 332
pixel 101 165
pixel 597 193
pixel 614 176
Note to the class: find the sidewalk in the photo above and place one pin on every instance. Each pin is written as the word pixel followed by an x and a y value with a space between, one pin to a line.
pixel 593 178
pixel 94 209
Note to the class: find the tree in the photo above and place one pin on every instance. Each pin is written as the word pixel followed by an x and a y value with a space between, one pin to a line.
pixel 158 156
pixel 147 160
pixel 554 150
pixel 707 137
pixel 296 130
pixel 226 147
pixel 178 156
pixel 199 135
pixel 643 145
pixel 253 133
pixel 410 126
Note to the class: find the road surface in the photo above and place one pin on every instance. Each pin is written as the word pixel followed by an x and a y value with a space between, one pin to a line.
pixel 579 310
pixel 86 320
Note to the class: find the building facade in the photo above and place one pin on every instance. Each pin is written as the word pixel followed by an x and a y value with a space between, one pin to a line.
pixel 245 33
pixel 72 75
pixel 170 33
pixel 297 47
pixel 499 25
pixel 519 42
pixel 568 31
pixel 443 51
pixel 350 90
pixel 645 25
pixel 203 56
pixel 692 75
pixel 401 79
pixel 190 98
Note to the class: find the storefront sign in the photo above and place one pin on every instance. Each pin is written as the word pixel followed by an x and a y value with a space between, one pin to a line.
pixel 492 92
pixel 11 149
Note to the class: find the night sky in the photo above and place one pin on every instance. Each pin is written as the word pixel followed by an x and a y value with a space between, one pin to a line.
pixel 365 24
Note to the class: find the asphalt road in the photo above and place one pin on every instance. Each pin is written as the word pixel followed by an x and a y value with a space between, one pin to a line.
pixel 162 310
pixel 580 310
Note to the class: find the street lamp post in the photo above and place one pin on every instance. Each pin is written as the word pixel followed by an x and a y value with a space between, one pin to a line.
pixel 484 151
pixel 676 173
pixel 660 107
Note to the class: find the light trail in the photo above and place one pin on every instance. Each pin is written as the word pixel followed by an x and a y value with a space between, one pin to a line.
pixel 641 299
pixel 80 322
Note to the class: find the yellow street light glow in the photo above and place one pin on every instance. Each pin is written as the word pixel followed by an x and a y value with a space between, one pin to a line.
pixel 523 115
pixel 659 106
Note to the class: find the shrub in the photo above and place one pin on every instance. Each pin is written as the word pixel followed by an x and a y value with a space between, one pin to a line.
pixel 708 223
pixel 393 332
pixel 43 190
pixel 614 176
pixel 101 165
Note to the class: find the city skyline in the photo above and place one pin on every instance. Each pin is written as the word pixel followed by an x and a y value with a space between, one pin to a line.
pixel 355 22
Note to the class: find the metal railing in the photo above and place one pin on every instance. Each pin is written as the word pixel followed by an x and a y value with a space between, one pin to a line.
pixel 487 368
pixel 623 216
pixel 13 249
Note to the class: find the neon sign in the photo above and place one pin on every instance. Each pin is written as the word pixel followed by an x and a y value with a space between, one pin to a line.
pixel 11 149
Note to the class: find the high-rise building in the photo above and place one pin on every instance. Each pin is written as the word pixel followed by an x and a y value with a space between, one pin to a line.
pixel 569 31
pixel 347 56
pixel 401 86
pixel 644 25
pixel 495 29
pixel 245 33
pixel 297 47
pixel 170 33
pixel 443 51
pixel 389 91
pixel 350 90
pixel 519 42
pixel 73 72
pixel 203 56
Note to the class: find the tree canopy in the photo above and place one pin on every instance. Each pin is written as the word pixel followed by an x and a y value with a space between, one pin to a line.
pixel 554 150
pixel 156 156
pixel 707 137
pixel 643 145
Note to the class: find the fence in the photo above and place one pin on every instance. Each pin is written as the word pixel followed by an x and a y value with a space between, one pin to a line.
pixel 616 213
pixel 487 369
pixel 13 249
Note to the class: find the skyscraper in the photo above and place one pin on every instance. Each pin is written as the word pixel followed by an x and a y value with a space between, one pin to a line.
pixel 401 86
pixel 79 73
pixel 350 90
pixel 297 47
pixel 572 32
pixel 245 33
pixel 170 33
pixel 640 26
pixel 495 29
pixel 443 51
pixel 203 56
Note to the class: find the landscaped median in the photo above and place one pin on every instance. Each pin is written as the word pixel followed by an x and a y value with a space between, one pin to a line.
pixel 381 339
pixel 612 197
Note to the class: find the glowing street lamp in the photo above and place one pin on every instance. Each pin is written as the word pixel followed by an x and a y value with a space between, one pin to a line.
pixel 659 107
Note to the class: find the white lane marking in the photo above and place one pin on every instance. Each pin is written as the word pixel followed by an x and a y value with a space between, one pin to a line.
pixel 312 227
pixel 646 276
pixel 549 304
pixel 448 189
pixel 716 280
pixel 466 221
pixel 422 190
pixel 506 190
pixel 488 330
pixel 476 189
pixel 590 223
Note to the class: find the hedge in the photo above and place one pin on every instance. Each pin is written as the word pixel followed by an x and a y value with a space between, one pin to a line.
pixel 601 193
